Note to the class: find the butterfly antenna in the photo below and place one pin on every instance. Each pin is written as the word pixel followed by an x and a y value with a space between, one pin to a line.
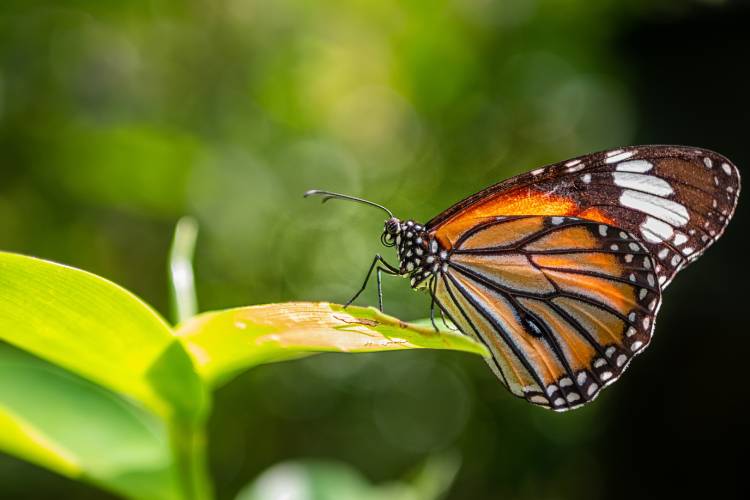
pixel 327 195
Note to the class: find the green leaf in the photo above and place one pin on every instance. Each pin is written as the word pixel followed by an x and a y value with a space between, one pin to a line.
pixel 67 424
pixel 225 342
pixel 95 328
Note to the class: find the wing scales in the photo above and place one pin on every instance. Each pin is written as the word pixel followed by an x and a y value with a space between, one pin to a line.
pixel 677 200
pixel 563 309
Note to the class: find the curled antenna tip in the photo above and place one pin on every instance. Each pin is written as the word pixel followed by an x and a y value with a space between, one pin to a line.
pixel 326 195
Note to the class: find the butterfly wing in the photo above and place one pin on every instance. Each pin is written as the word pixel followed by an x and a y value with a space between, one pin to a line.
pixel 677 200
pixel 563 304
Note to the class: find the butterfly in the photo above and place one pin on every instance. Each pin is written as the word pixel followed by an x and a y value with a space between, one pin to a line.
pixel 560 271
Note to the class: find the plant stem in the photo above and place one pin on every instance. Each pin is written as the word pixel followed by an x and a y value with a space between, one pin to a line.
pixel 181 279
pixel 189 448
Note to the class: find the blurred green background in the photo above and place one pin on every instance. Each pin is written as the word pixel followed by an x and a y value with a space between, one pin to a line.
pixel 116 118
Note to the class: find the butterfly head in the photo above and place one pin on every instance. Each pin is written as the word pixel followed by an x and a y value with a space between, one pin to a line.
pixel 391 231
pixel 419 255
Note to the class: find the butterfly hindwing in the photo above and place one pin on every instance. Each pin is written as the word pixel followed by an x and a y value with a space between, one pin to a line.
pixel 676 200
pixel 562 303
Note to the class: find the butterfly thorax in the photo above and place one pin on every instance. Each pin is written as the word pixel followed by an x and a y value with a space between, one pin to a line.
pixel 420 255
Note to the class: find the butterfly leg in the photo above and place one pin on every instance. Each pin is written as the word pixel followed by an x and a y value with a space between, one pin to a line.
pixel 433 286
pixel 376 266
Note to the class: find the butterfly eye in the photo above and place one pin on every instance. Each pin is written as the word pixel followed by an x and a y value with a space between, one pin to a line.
pixel 393 226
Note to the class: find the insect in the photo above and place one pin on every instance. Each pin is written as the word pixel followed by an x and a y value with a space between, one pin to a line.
pixel 560 271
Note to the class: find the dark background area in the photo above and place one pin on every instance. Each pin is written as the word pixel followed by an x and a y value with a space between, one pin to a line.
pixel 680 431
pixel 116 120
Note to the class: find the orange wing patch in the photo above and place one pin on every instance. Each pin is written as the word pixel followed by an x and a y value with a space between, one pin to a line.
pixel 563 309
pixel 618 296
pixel 520 201
pixel 510 271
pixel 578 353
pixel 572 238
pixel 594 262
pixel 503 235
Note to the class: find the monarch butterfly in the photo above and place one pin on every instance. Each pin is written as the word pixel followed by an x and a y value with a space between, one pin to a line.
pixel 559 272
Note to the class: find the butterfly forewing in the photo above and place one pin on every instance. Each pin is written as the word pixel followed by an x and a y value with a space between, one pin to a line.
pixel 676 200
pixel 562 303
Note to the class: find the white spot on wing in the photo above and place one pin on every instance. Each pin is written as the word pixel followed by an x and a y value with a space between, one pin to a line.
pixel 641 182
pixel 679 238
pixel 667 210
pixel 586 178
pixel 638 166
pixel 539 399
pixel 726 168
pixel 655 230
pixel 615 156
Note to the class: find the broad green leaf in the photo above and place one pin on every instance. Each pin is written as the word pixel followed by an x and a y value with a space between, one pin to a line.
pixel 98 330
pixel 67 424
pixel 225 342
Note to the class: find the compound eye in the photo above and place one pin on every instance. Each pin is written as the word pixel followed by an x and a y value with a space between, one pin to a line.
pixel 392 226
